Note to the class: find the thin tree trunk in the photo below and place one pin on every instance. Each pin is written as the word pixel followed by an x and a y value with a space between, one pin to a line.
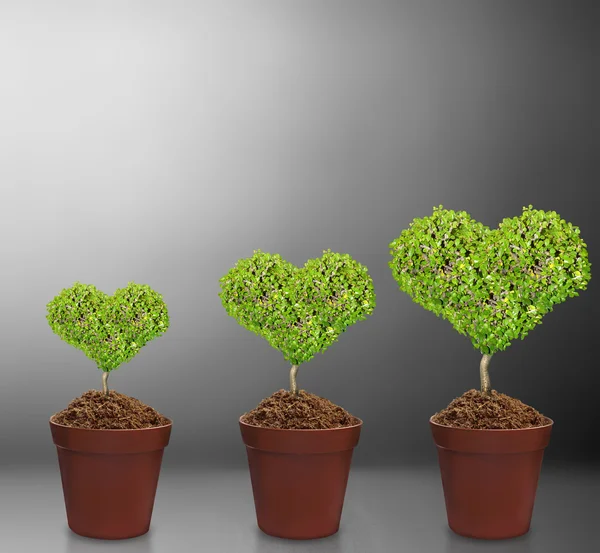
pixel 484 375
pixel 293 386
pixel 105 382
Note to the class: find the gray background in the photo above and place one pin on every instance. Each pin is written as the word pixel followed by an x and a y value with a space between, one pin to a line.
pixel 158 142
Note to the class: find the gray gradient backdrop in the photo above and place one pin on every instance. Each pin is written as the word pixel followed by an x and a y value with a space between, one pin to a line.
pixel 158 142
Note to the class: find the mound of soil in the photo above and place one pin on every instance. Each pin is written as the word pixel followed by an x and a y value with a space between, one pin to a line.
pixel 494 412
pixel 95 410
pixel 304 411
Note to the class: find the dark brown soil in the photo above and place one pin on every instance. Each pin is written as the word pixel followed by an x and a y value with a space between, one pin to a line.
pixel 494 412
pixel 97 411
pixel 304 411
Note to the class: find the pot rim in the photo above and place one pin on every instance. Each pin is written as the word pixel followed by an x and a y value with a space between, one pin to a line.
pixel 500 430
pixel 308 430
pixel 75 428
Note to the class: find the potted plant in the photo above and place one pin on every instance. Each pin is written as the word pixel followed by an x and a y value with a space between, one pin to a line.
pixel 494 286
pixel 109 445
pixel 299 445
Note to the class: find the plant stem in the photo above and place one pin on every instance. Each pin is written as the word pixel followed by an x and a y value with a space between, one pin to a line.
pixel 293 386
pixel 105 382
pixel 484 375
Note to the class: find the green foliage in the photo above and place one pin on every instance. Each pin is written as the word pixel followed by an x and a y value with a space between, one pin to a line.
pixel 299 311
pixel 492 285
pixel 109 329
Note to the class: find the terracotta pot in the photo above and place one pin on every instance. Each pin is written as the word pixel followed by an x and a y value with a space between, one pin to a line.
pixel 490 478
pixel 299 478
pixel 109 478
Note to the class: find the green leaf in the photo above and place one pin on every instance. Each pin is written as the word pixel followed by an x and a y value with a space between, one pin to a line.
pixel 111 330
pixel 299 311
pixel 493 285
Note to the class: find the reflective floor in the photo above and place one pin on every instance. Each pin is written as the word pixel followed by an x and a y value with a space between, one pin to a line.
pixel 386 510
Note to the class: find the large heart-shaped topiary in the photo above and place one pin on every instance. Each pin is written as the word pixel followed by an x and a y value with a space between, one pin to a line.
pixel 299 311
pixel 108 329
pixel 492 285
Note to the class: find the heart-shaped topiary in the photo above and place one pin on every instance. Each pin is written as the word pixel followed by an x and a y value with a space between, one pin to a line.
pixel 108 329
pixel 299 311
pixel 492 285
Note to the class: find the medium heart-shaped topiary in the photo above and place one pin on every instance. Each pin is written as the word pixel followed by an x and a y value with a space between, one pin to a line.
pixel 492 285
pixel 108 329
pixel 299 311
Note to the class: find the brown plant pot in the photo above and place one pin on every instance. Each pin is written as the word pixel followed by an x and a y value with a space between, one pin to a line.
pixel 490 478
pixel 299 478
pixel 109 478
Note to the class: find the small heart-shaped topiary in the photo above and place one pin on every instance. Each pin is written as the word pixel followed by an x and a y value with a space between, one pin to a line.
pixel 492 285
pixel 299 311
pixel 109 329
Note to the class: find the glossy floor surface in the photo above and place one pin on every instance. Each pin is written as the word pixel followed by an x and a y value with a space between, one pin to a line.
pixel 395 510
